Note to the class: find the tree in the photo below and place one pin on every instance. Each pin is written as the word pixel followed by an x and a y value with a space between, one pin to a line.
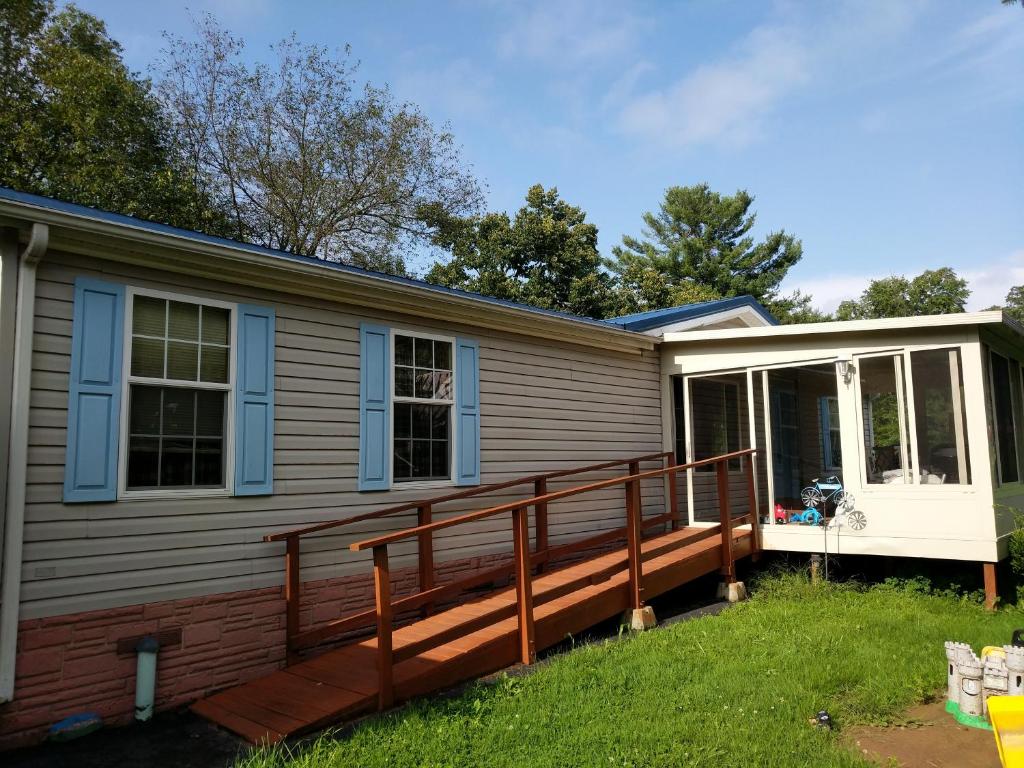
pixel 699 242
pixel 545 256
pixel 933 292
pixel 303 159
pixel 77 125
pixel 1014 305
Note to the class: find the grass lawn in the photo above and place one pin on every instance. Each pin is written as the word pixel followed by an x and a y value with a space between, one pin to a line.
pixel 730 690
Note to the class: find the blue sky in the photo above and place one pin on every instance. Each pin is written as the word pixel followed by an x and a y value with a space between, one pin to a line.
pixel 888 135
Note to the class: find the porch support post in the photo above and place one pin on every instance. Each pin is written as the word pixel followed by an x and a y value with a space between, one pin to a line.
pixel 991 588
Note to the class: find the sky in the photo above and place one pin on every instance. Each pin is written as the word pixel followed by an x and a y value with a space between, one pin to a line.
pixel 888 135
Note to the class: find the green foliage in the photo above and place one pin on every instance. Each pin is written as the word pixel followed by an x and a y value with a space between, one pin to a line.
pixel 735 689
pixel 699 242
pixel 1014 305
pixel 933 292
pixel 545 256
pixel 77 125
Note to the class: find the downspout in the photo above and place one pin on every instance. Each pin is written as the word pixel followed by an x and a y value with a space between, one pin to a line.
pixel 8 301
pixel 10 598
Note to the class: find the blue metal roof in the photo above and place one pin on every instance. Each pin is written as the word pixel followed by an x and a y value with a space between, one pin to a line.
pixel 74 209
pixel 655 318
pixel 638 322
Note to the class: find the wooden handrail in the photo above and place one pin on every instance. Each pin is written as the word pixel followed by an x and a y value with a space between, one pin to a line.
pixel 523 561
pixel 482 514
pixel 458 495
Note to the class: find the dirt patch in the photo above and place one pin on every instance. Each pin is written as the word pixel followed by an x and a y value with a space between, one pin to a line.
pixel 929 738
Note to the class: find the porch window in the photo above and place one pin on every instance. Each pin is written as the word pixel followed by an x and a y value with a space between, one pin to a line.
pixel 715 406
pixel 1003 418
pixel 939 416
pixel 884 409
pixel 831 434
pixel 179 377
pixel 423 400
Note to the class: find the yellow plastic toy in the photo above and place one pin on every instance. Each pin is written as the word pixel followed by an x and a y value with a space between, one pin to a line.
pixel 1007 716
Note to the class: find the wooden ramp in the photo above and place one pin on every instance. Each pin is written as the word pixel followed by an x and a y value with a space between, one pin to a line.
pixel 472 639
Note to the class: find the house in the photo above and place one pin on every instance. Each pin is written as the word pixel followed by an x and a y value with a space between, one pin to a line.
pixel 176 397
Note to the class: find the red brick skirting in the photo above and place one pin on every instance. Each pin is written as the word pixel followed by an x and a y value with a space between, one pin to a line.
pixel 70 664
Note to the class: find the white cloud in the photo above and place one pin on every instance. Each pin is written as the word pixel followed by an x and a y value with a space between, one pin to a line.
pixel 724 101
pixel 988 284
pixel 571 32
pixel 729 100
pixel 459 89
pixel 828 292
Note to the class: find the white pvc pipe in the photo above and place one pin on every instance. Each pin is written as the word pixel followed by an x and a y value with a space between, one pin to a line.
pixel 10 601
pixel 145 677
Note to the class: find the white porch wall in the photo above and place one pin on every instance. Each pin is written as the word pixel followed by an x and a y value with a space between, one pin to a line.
pixel 940 521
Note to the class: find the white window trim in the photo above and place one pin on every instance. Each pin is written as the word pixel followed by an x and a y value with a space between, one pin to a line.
pixel 127 380
pixel 826 460
pixel 908 420
pixel 716 378
pixel 1010 361
pixel 416 485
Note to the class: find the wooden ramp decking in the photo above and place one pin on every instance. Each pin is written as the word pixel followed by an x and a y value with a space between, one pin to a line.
pixel 469 640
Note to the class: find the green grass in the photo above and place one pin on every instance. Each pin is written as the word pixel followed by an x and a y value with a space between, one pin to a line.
pixel 730 690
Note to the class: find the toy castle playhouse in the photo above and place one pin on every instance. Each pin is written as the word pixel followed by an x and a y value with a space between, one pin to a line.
pixel 972 681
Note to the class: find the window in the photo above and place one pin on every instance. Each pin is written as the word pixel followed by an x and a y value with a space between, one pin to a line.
pixel 884 408
pixel 179 383
pixel 831 434
pixel 939 416
pixel 423 399
pixel 715 406
pixel 1003 417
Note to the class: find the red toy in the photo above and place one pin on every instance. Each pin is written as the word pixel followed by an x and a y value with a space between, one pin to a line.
pixel 780 514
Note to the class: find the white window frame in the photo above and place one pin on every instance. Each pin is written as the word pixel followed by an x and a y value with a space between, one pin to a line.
pixel 452 432
pixel 908 420
pixel 717 378
pixel 827 441
pixel 176 492
pixel 1014 414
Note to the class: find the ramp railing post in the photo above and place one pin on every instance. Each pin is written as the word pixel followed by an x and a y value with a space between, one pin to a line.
pixel 425 545
pixel 633 514
pixel 382 594
pixel 540 518
pixel 291 593
pixel 673 491
pixel 524 585
pixel 728 568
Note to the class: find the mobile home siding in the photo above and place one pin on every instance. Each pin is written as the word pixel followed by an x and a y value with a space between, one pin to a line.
pixel 544 406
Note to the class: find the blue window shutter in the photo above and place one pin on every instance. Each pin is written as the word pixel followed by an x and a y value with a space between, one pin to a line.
pixel 467 412
pixel 374 407
pixel 254 402
pixel 94 392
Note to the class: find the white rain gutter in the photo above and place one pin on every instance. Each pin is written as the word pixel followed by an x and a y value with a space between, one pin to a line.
pixel 10 598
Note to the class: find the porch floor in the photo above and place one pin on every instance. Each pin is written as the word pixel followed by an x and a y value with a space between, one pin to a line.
pixel 341 684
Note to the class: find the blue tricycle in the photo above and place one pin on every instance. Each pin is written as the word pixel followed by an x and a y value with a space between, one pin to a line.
pixel 820 491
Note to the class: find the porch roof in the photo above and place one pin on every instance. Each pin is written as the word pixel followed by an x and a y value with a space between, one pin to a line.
pixel 997 320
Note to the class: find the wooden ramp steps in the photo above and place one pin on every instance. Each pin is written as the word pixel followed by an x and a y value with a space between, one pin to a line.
pixel 472 639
